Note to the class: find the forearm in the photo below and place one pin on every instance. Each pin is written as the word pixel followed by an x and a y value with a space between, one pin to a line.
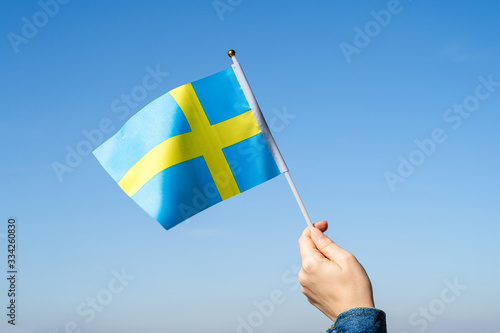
pixel 366 320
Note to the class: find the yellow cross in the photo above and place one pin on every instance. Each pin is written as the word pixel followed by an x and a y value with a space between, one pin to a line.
pixel 204 140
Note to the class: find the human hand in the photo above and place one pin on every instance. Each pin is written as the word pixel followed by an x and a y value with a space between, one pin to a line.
pixel 332 279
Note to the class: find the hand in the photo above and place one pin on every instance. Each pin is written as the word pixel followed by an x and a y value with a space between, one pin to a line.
pixel 332 278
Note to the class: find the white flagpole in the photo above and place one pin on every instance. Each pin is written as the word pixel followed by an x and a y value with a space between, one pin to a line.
pixel 240 75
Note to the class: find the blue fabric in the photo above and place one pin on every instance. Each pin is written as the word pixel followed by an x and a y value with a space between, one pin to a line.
pixel 156 122
pixel 360 320
pixel 191 189
pixel 251 162
pixel 221 96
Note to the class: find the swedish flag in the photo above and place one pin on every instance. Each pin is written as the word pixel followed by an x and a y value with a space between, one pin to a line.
pixel 189 149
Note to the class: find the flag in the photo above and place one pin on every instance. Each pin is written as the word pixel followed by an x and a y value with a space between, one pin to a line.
pixel 193 147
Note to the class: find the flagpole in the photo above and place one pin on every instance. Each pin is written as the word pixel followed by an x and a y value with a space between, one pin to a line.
pixel 240 75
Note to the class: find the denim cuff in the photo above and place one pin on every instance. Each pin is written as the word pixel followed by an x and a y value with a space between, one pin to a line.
pixel 366 320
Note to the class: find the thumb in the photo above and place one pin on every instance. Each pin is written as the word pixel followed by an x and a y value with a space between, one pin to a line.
pixel 326 246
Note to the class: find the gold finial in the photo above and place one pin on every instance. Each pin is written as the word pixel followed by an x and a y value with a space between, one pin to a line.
pixel 231 53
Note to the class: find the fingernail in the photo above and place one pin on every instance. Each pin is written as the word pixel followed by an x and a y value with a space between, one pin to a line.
pixel 316 233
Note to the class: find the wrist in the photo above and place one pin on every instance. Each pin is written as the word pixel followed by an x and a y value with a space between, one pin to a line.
pixel 335 314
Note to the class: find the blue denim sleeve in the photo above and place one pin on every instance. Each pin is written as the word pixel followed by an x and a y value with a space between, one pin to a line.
pixel 360 320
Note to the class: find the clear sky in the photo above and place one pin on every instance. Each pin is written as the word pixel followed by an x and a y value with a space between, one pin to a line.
pixel 386 112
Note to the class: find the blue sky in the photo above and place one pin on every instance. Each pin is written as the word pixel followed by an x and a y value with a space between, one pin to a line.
pixel 345 121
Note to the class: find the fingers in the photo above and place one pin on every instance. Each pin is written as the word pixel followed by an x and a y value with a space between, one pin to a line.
pixel 308 249
pixel 328 248
pixel 306 245
pixel 321 225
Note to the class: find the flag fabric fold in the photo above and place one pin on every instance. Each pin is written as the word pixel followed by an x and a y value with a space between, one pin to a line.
pixel 193 147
